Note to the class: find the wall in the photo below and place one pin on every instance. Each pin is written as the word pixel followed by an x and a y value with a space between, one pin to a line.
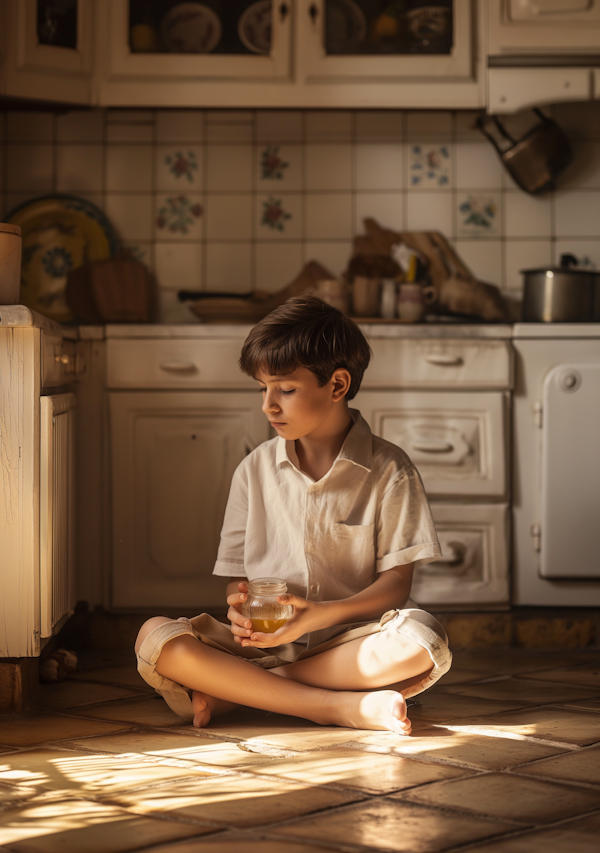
pixel 235 200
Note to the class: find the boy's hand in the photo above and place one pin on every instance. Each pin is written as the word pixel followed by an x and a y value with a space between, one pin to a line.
pixel 241 626
pixel 308 616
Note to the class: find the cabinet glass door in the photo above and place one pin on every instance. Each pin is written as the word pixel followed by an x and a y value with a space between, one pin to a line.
pixel 389 39
pixel 222 39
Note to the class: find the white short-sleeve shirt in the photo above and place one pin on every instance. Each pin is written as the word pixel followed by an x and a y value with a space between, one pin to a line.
pixel 327 539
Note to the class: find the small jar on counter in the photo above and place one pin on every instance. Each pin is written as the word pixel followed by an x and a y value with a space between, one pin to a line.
pixel 261 606
pixel 389 290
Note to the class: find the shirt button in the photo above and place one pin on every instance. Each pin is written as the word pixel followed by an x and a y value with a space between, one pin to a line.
pixel 314 587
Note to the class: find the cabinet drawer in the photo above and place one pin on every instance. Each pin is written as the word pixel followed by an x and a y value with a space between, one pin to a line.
pixel 439 363
pixel 58 360
pixel 474 567
pixel 456 440
pixel 176 364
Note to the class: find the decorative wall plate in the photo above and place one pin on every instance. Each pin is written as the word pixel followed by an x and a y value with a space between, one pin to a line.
pixel 60 233
pixel 254 27
pixel 190 28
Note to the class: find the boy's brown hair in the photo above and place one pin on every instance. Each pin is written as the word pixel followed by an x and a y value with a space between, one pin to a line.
pixel 307 332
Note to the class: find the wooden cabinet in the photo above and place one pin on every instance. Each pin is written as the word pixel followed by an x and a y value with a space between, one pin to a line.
pixel 57 509
pixel 173 457
pixel 48 50
pixel 37 471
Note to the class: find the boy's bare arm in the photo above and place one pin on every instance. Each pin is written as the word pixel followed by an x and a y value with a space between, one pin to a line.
pixel 389 592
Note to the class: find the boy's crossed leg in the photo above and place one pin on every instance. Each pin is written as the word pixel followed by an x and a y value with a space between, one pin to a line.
pixel 337 687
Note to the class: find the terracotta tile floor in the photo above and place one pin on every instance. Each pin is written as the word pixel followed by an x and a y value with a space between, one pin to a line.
pixel 504 757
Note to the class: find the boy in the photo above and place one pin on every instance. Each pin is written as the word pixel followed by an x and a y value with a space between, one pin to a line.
pixel 342 517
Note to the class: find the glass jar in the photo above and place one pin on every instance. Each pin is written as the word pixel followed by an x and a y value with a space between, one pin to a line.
pixel 261 606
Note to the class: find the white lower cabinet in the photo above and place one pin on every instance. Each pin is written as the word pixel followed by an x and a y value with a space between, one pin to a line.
pixel 173 457
pixel 456 440
pixel 474 568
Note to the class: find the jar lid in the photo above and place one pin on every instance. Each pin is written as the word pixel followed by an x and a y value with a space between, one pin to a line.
pixel 9 228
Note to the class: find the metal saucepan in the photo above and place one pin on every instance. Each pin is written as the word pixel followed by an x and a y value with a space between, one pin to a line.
pixel 561 294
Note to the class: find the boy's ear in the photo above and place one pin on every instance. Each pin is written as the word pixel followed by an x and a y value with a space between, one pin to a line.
pixel 341 383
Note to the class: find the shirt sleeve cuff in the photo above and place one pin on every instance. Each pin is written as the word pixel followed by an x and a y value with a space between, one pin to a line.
pixel 229 570
pixel 417 554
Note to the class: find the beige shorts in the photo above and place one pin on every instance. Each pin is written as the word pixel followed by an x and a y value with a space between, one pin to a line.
pixel 414 623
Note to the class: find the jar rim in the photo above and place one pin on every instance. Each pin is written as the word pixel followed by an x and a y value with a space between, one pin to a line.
pixel 267 586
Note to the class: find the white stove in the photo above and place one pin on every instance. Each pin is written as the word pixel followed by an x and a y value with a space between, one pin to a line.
pixel 556 473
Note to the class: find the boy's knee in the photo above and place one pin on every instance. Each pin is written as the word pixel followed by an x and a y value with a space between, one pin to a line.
pixel 147 627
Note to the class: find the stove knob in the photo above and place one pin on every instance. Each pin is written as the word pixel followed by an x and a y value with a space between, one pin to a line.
pixel 569 380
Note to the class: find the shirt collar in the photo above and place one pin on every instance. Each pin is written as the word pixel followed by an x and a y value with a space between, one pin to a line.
pixel 357 447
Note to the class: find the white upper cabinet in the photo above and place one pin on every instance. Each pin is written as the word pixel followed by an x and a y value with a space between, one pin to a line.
pixel 557 27
pixel 289 53
pixel 46 50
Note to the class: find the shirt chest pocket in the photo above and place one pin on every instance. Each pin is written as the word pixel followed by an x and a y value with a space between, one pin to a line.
pixel 352 552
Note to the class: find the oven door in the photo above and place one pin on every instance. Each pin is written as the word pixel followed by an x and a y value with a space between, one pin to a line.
pixel 570 481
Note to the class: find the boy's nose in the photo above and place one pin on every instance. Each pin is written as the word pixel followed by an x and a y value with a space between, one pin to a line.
pixel 269 404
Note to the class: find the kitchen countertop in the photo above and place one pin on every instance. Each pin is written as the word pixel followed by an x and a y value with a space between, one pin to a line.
pixel 372 330
pixel 18 316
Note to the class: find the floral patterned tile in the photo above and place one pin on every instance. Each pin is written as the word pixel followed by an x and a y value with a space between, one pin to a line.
pixel 179 167
pixel 479 215
pixel 279 217
pixel 279 167
pixel 429 165
pixel 179 216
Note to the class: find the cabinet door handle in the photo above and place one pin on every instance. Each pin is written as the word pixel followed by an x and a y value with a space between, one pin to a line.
pixel 283 12
pixel 444 360
pixel 313 11
pixel 432 446
pixel 174 366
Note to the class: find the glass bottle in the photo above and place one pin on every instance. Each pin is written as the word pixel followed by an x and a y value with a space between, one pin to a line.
pixel 261 606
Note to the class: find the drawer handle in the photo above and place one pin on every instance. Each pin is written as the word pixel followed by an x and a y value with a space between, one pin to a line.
pixel 178 366
pixel 455 554
pixel 444 360
pixel 432 446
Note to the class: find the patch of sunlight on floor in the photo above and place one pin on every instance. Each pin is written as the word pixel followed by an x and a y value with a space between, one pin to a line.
pixel 51 817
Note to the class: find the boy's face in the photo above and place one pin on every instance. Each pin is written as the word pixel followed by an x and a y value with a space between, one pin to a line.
pixel 295 405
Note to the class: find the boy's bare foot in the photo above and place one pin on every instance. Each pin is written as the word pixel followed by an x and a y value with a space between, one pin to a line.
pixel 205 707
pixel 379 710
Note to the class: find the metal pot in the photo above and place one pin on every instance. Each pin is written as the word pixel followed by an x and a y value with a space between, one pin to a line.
pixel 561 295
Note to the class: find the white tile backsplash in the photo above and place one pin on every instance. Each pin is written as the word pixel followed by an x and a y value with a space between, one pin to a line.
pixel 429 211
pixel 577 213
pixel 236 199
pixel 277 264
pixel 129 168
pixel 524 254
pixel 328 167
pixel 80 126
pixel 229 168
pixel 178 266
pixel 229 217
pixel 527 215
pixel 30 127
pixel 328 216
pixel 386 208
pixel 29 167
pixel 379 166
pixel 477 166
pixel 131 214
pixel 79 168
pixel 179 126
pixel 229 267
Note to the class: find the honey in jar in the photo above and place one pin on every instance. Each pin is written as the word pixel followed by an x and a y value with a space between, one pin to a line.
pixel 262 608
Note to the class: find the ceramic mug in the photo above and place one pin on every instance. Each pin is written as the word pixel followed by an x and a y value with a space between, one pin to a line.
pixel 366 296
pixel 335 293
pixel 411 302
